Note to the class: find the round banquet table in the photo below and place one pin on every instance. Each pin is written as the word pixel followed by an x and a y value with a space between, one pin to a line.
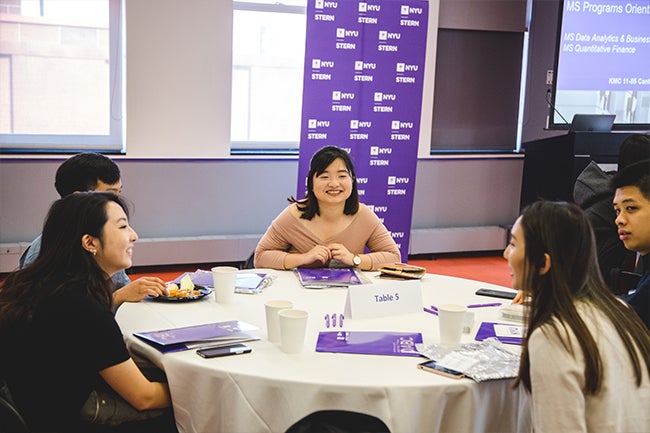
pixel 268 390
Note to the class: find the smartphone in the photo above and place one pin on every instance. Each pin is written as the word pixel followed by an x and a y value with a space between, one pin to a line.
pixel 433 367
pixel 496 293
pixel 213 352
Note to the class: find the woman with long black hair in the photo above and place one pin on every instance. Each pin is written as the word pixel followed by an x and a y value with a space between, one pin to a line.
pixel 586 356
pixel 64 357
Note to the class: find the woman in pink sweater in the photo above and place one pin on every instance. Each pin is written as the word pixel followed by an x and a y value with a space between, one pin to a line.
pixel 329 227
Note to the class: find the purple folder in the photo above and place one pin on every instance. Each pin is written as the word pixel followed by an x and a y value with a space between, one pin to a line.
pixel 175 339
pixel 327 277
pixel 486 330
pixel 369 342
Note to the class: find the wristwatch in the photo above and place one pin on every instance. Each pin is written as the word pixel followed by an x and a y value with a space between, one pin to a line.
pixel 356 260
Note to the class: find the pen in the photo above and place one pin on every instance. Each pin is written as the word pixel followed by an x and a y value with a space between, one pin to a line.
pixel 341 320
pixel 492 304
pixel 327 320
pixel 333 320
pixel 430 311
pixel 434 308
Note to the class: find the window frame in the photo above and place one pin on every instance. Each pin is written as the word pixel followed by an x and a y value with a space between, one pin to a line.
pixel 114 141
pixel 257 147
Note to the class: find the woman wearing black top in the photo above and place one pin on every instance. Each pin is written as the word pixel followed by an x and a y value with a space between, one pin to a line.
pixel 61 344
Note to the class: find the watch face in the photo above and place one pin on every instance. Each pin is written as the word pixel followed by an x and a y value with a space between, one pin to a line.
pixel 356 260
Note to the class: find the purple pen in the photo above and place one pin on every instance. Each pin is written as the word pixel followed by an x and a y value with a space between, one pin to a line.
pixel 333 320
pixel 341 320
pixel 491 304
pixel 434 308
pixel 327 320
pixel 430 311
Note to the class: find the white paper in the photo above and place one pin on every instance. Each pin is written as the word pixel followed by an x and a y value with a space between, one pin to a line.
pixel 382 299
pixel 457 361
pixel 509 331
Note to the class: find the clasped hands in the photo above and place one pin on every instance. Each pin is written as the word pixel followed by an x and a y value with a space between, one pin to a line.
pixel 325 253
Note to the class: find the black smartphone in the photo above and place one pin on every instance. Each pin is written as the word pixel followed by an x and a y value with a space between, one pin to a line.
pixel 213 352
pixel 433 367
pixel 496 293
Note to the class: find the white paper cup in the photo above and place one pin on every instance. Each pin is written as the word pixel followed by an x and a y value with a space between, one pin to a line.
pixel 293 324
pixel 450 322
pixel 273 320
pixel 224 278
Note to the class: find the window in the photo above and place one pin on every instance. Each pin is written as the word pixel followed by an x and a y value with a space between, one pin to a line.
pixel 267 79
pixel 60 76
pixel 478 113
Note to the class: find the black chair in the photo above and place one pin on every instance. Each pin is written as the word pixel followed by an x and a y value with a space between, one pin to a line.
pixel 10 419
pixel 338 421
pixel 621 282
pixel 250 262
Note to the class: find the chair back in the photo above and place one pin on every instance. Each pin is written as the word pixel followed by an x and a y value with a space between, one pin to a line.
pixel 250 261
pixel 622 282
pixel 338 421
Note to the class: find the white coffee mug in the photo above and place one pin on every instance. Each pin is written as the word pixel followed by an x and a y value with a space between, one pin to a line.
pixel 223 278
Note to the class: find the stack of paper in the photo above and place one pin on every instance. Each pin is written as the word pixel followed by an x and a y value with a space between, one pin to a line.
pixel 199 336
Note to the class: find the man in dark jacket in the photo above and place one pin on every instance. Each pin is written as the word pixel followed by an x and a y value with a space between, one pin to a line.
pixel 632 207
pixel 593 193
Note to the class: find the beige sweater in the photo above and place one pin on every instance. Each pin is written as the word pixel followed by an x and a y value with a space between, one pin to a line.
pixel 557 381
pixel 287 234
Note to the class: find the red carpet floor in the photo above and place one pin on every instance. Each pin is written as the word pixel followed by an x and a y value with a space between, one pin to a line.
pixel 491 269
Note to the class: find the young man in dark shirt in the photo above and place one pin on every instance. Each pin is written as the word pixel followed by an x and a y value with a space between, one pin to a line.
pixel 632 207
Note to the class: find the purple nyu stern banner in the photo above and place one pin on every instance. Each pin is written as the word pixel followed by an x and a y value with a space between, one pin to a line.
pixel 364 71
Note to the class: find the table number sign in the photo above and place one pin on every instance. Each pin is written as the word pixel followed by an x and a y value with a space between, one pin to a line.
pixel 383 298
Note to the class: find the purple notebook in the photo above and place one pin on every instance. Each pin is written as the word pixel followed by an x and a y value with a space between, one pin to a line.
pixel 369 342
pixel 486 330
pixel 316 278
pixel 188 337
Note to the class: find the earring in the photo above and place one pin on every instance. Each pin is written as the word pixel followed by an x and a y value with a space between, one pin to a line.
pixel 93 252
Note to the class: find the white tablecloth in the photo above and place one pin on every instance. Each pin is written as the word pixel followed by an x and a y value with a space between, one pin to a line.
pixel 268 390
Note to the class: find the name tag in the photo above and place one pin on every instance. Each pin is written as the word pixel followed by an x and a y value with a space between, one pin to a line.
pixel 383 298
